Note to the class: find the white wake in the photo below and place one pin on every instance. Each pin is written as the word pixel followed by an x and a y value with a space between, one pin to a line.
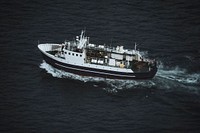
pixel 165 78
pixel 178 74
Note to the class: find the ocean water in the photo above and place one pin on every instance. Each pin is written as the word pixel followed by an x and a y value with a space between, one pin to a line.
pixel 35 97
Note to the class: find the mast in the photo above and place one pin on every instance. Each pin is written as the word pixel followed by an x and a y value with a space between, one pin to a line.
pixel 135 46
pixel 82 40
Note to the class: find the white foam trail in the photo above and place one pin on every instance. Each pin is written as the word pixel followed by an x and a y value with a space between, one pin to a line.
pixel 62 74
pixel 51 70
pixel 115 85
pixel 178 74
pixel 165 78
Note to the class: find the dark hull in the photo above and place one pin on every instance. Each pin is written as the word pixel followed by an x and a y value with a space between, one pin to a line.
pixel 85 71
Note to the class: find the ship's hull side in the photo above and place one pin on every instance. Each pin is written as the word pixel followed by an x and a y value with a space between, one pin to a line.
pixel 86 71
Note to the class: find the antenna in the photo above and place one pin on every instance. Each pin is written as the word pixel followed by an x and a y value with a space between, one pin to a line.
pixel 84 31
pixel 111 42
pixel 135 46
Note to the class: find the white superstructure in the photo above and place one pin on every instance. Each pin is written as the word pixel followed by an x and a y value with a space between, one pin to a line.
pixel 83 54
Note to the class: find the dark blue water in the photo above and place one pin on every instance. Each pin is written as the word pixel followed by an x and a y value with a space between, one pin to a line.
pixel 34 97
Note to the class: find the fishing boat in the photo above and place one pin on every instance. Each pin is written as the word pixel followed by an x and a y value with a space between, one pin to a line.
pixel 87 59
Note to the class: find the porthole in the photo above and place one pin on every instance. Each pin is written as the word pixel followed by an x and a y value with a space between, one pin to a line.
pixel 76 54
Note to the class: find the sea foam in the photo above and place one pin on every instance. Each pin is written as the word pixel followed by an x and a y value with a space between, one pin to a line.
pixel 165 78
